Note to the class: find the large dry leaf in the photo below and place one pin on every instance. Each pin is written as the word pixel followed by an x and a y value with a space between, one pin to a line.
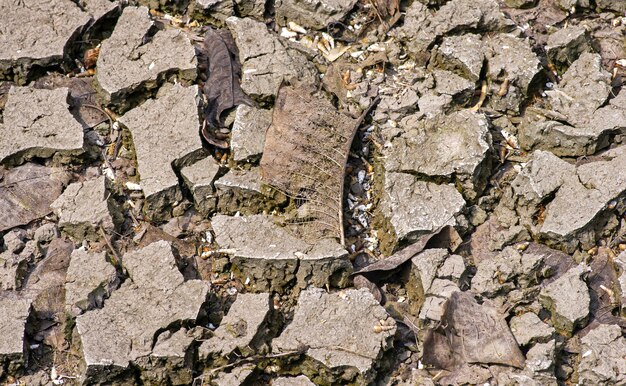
pixel 26 193
pixel 221 88
pixel 471 333
pixel 306 149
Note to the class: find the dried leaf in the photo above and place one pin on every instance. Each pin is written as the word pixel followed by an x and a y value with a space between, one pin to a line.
pixel 601 279
pixel 305 154
pixel 388 11
pixel 471 333
pixel 90 58
pixel 397 259
pixel 333 79
pixel 26 193
pixel 221 88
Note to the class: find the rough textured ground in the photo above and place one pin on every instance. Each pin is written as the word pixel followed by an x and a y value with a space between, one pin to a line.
pixel 440 200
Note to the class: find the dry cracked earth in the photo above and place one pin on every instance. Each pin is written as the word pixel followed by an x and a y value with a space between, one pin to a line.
pixel 325 192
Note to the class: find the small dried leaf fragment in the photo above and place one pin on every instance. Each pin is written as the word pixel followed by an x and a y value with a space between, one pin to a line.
pixel 335 80
pixel 388 11
pixel 91 57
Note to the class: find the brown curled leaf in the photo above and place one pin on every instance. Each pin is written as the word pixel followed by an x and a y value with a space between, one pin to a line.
pixel 222 88
pixel 397 259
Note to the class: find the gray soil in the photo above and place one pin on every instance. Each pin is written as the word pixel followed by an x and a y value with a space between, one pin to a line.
pixel 480 237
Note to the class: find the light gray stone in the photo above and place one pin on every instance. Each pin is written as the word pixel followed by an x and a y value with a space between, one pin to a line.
pixel 236 377
pixel 443 288
pixel 199 178
pixel 38 123
pixel 90 278
pixel 578 125
pixel 449 83
pixel 542 176
pixel 85 207
pixel 99 9
pixel 266 61
pixel 415 207
pixel 506 271
pixel 240 327
pixel 143 60
pixel 397 104
pixel 423 27
pixel 432 309
pixel 250 8
pixel 44 40
pixel 215 9
pixel 316 14
pixel 528 328
pixel 432 104
pixel 13 269
pixel 540 357
pixel 46 233
pixel 15 312
pixel 567 44
pixel 585 87
pixel 14 240
pixel 425 265
pixel 300 380
pixel 436 298
pixel 452 268
pixel 511 60
pixel 609 119
pixel 166 136
pixel 591 189
pixel 339 329
pixel 424 268
pixel 602 357
pixel 456 145
pixel 613 5
pixel 462 53
pixel 169 362
pixel 272 257
pixel 620 263
pixel 538 132
pixel 240 190
pixel 248 132
pixel 154 297
pixel 567 298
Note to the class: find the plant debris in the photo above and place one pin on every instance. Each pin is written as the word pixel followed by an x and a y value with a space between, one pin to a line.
pixel 306 158
pixel 221 72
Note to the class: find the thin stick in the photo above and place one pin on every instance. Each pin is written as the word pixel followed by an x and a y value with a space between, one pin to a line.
pixel 251 359
pixel 106 239
pixel 100 110
pixel 483 96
